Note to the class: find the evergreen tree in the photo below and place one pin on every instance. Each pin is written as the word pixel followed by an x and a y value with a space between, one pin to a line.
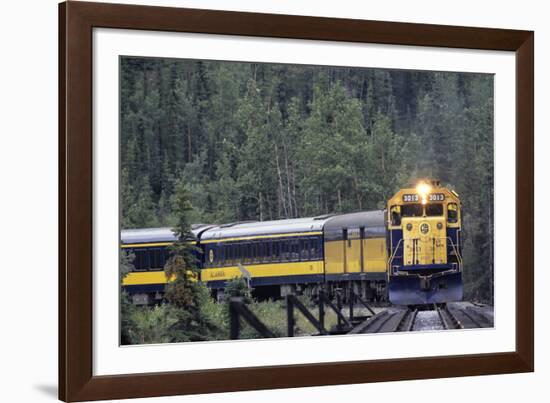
pixel 152 324
pixel 225 190
pixel 141 213
pixel 236 288
pixel 332 147
pixel 184 292
pixel 255 168
pixel 385 167
pixel 127 308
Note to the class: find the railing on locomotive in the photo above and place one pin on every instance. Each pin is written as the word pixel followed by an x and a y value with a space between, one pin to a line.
pixel 450 212
pixel 393 256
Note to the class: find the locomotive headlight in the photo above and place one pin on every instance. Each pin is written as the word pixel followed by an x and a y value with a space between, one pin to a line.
pixel 423 189
pixel 439 225
pixel 409 226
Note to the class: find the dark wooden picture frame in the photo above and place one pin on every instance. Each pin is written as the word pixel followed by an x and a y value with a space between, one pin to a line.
pixel 76 23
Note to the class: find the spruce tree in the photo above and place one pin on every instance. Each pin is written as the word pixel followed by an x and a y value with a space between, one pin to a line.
pixel 185 293
pixel 127 308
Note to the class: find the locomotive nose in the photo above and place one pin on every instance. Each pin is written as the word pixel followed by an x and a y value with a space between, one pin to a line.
pixel 416 290
pixel 424 241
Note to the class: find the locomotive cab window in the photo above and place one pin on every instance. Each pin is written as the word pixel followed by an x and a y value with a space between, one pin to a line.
pixel 434 210
pixel 452 213
pixel 396 215
pixel 412 210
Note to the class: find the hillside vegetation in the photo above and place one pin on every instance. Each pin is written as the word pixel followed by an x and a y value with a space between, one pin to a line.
pixel 264 141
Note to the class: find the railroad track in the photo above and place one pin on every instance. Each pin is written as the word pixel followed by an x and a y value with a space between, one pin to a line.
pixel 448 319
pixel 473 317
pixel 436 317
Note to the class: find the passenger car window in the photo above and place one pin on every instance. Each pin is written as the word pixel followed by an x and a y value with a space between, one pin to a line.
pixel 304 249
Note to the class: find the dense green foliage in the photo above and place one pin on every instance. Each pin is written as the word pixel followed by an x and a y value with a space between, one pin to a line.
pixel 186 296
pixel 156 324
pixel 237 287
pixel 127 308
pixel 265 141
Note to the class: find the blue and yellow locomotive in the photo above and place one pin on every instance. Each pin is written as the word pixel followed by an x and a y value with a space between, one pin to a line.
pixel 424 245
pixel 414 246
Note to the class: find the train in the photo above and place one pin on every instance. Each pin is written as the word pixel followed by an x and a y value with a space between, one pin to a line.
pixel 424 240
pixel 409 253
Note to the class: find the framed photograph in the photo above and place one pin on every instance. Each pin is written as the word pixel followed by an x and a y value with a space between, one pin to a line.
pixel 254 201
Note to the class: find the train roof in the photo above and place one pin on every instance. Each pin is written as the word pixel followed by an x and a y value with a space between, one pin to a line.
pixel 365 219
pixel 146 235
pixel 257 228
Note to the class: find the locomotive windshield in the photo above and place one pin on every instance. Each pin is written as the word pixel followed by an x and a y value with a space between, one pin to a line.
pixel 434 210
pixel 412 210
pixel 417 210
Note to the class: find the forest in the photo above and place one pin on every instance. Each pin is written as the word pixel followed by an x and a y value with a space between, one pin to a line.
pixel 257 141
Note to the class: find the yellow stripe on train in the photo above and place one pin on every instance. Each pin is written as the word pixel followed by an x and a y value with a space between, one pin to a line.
pixel 230 272
pixel 263 270
pixel 146 277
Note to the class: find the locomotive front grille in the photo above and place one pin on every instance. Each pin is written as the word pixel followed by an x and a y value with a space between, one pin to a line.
pixel 424 241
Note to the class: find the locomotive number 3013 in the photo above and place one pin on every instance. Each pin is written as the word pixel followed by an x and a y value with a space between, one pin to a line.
pixel 433 197
pixel 408 198
pixel 436 197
